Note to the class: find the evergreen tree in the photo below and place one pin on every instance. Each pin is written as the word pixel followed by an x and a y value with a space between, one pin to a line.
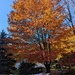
pixel 25 68
pixel 6 62
pixel 3 36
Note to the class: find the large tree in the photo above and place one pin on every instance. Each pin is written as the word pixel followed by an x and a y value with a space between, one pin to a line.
pixel 41 20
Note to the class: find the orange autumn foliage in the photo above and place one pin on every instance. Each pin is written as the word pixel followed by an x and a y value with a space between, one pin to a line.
pixel 42 17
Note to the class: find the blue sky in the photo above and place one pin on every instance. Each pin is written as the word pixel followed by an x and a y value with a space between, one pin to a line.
pixel 5 9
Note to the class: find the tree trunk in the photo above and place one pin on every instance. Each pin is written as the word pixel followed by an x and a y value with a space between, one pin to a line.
pixel 47 65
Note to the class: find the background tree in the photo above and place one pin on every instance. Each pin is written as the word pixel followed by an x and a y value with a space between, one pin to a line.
pixel 6 62
pixel 68 60
pixel 69 6
pixel 3 36
pixel 25 68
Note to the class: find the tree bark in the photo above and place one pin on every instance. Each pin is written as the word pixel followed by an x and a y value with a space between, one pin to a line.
pixel 47 65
